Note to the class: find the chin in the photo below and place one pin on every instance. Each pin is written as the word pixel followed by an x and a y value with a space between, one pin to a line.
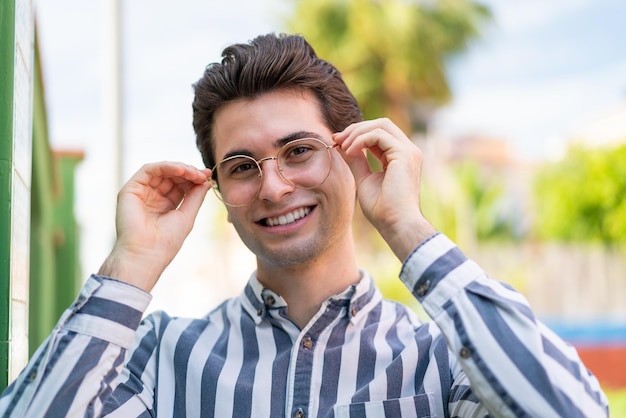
pixel 290 256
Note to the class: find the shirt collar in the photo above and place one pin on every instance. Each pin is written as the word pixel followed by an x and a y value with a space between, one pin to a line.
pixel 358 298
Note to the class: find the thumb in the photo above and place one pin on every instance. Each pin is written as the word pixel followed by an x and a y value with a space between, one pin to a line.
pixel 194 199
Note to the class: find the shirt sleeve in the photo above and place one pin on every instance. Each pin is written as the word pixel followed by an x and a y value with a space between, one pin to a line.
pixel 515 365
pixel 82 357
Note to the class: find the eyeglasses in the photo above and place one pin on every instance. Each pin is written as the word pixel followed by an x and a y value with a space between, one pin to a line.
pixel 304 163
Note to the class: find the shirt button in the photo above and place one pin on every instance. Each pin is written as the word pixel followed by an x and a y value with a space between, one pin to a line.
pixel 298 413
pixel 269 300
pixel 259 311
pixel 307 343
pixel 422 289
pixel 465 352
pixel 32 376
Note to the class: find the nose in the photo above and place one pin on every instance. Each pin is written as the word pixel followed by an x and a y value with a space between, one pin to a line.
pixel 273 186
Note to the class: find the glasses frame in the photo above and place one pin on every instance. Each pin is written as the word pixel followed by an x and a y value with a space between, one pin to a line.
pixel 215 185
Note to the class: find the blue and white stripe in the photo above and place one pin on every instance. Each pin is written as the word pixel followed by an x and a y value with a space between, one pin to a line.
pixel 484 354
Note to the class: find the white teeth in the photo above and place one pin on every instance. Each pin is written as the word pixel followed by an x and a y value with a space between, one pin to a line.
pixel 288 218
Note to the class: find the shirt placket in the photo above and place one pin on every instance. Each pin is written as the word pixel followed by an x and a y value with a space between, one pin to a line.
pixel 303 363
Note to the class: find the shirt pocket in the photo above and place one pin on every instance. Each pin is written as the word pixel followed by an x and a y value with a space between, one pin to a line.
pixel 418 406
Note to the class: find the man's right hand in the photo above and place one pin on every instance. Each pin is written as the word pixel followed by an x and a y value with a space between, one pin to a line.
pixel 156 210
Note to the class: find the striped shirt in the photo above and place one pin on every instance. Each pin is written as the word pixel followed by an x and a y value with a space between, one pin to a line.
pixel 483 354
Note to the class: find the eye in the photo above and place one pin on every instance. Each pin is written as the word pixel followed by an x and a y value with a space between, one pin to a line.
pixel 300 151
pixel 238 168
pixel 243 167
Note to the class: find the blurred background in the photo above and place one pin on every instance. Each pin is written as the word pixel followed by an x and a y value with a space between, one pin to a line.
pixel 519 107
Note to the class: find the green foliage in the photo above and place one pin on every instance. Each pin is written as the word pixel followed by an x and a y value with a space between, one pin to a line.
pixel 583 197
pixel 476 208
pixel 484 194
pixel 391 52
pixel 440 208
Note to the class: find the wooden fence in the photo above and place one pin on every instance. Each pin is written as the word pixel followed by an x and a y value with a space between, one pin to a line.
pixel 561 281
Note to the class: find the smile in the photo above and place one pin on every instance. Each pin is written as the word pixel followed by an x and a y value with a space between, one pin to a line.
pixel 288 218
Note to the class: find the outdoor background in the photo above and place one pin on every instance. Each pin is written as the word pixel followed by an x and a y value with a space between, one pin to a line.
pixel 520 108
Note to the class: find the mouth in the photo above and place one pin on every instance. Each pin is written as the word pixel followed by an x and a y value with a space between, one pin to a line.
pixel 287 218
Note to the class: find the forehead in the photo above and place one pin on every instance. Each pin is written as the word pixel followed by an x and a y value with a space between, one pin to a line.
pixel 257 124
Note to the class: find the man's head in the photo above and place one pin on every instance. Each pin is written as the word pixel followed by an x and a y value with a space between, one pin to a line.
pixel 269 63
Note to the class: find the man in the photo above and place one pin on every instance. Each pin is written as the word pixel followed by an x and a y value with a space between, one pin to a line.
pixel 310 335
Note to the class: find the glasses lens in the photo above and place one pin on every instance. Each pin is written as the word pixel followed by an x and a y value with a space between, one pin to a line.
pixel 237 180
pixel 305 163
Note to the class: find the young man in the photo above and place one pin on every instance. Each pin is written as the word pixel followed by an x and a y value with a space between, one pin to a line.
pixel 310 335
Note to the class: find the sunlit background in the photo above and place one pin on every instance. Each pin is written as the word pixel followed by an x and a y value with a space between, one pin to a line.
pixel 530 116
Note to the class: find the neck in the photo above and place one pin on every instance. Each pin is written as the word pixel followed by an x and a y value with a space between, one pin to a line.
pixel 306 286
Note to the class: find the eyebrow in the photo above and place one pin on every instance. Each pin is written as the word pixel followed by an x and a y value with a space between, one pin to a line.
pixel 277 144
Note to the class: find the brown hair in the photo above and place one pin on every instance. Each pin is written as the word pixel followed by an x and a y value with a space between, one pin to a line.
pixel 269 63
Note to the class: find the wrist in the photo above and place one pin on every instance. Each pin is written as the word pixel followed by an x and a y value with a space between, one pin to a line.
pixel 127 267
pixel 403 237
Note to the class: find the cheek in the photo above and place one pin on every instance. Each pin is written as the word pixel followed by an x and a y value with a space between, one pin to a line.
pixel 231 214
pixel 236 216
pixel 343 188
pixel 345 175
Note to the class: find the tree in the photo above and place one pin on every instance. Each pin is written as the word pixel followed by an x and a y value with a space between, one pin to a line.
pixel 391 53
pixel 583 197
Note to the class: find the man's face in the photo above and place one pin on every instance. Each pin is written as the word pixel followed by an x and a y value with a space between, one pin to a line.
pixel 256 127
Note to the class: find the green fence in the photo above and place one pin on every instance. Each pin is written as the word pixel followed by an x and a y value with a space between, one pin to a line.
pixel 7 53
pixel 39 267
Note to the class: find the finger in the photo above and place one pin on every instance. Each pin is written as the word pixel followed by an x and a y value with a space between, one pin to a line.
pixel 178 190
pixel 358 165
pixel 161 194
pixel 356 129
pixel 194 199
pixel 174 192
pixel 171 180
pixel 151 174
pixel 378 141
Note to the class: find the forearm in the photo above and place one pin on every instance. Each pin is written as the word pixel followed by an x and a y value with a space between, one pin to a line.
pixel 515 365
pixel 82 356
